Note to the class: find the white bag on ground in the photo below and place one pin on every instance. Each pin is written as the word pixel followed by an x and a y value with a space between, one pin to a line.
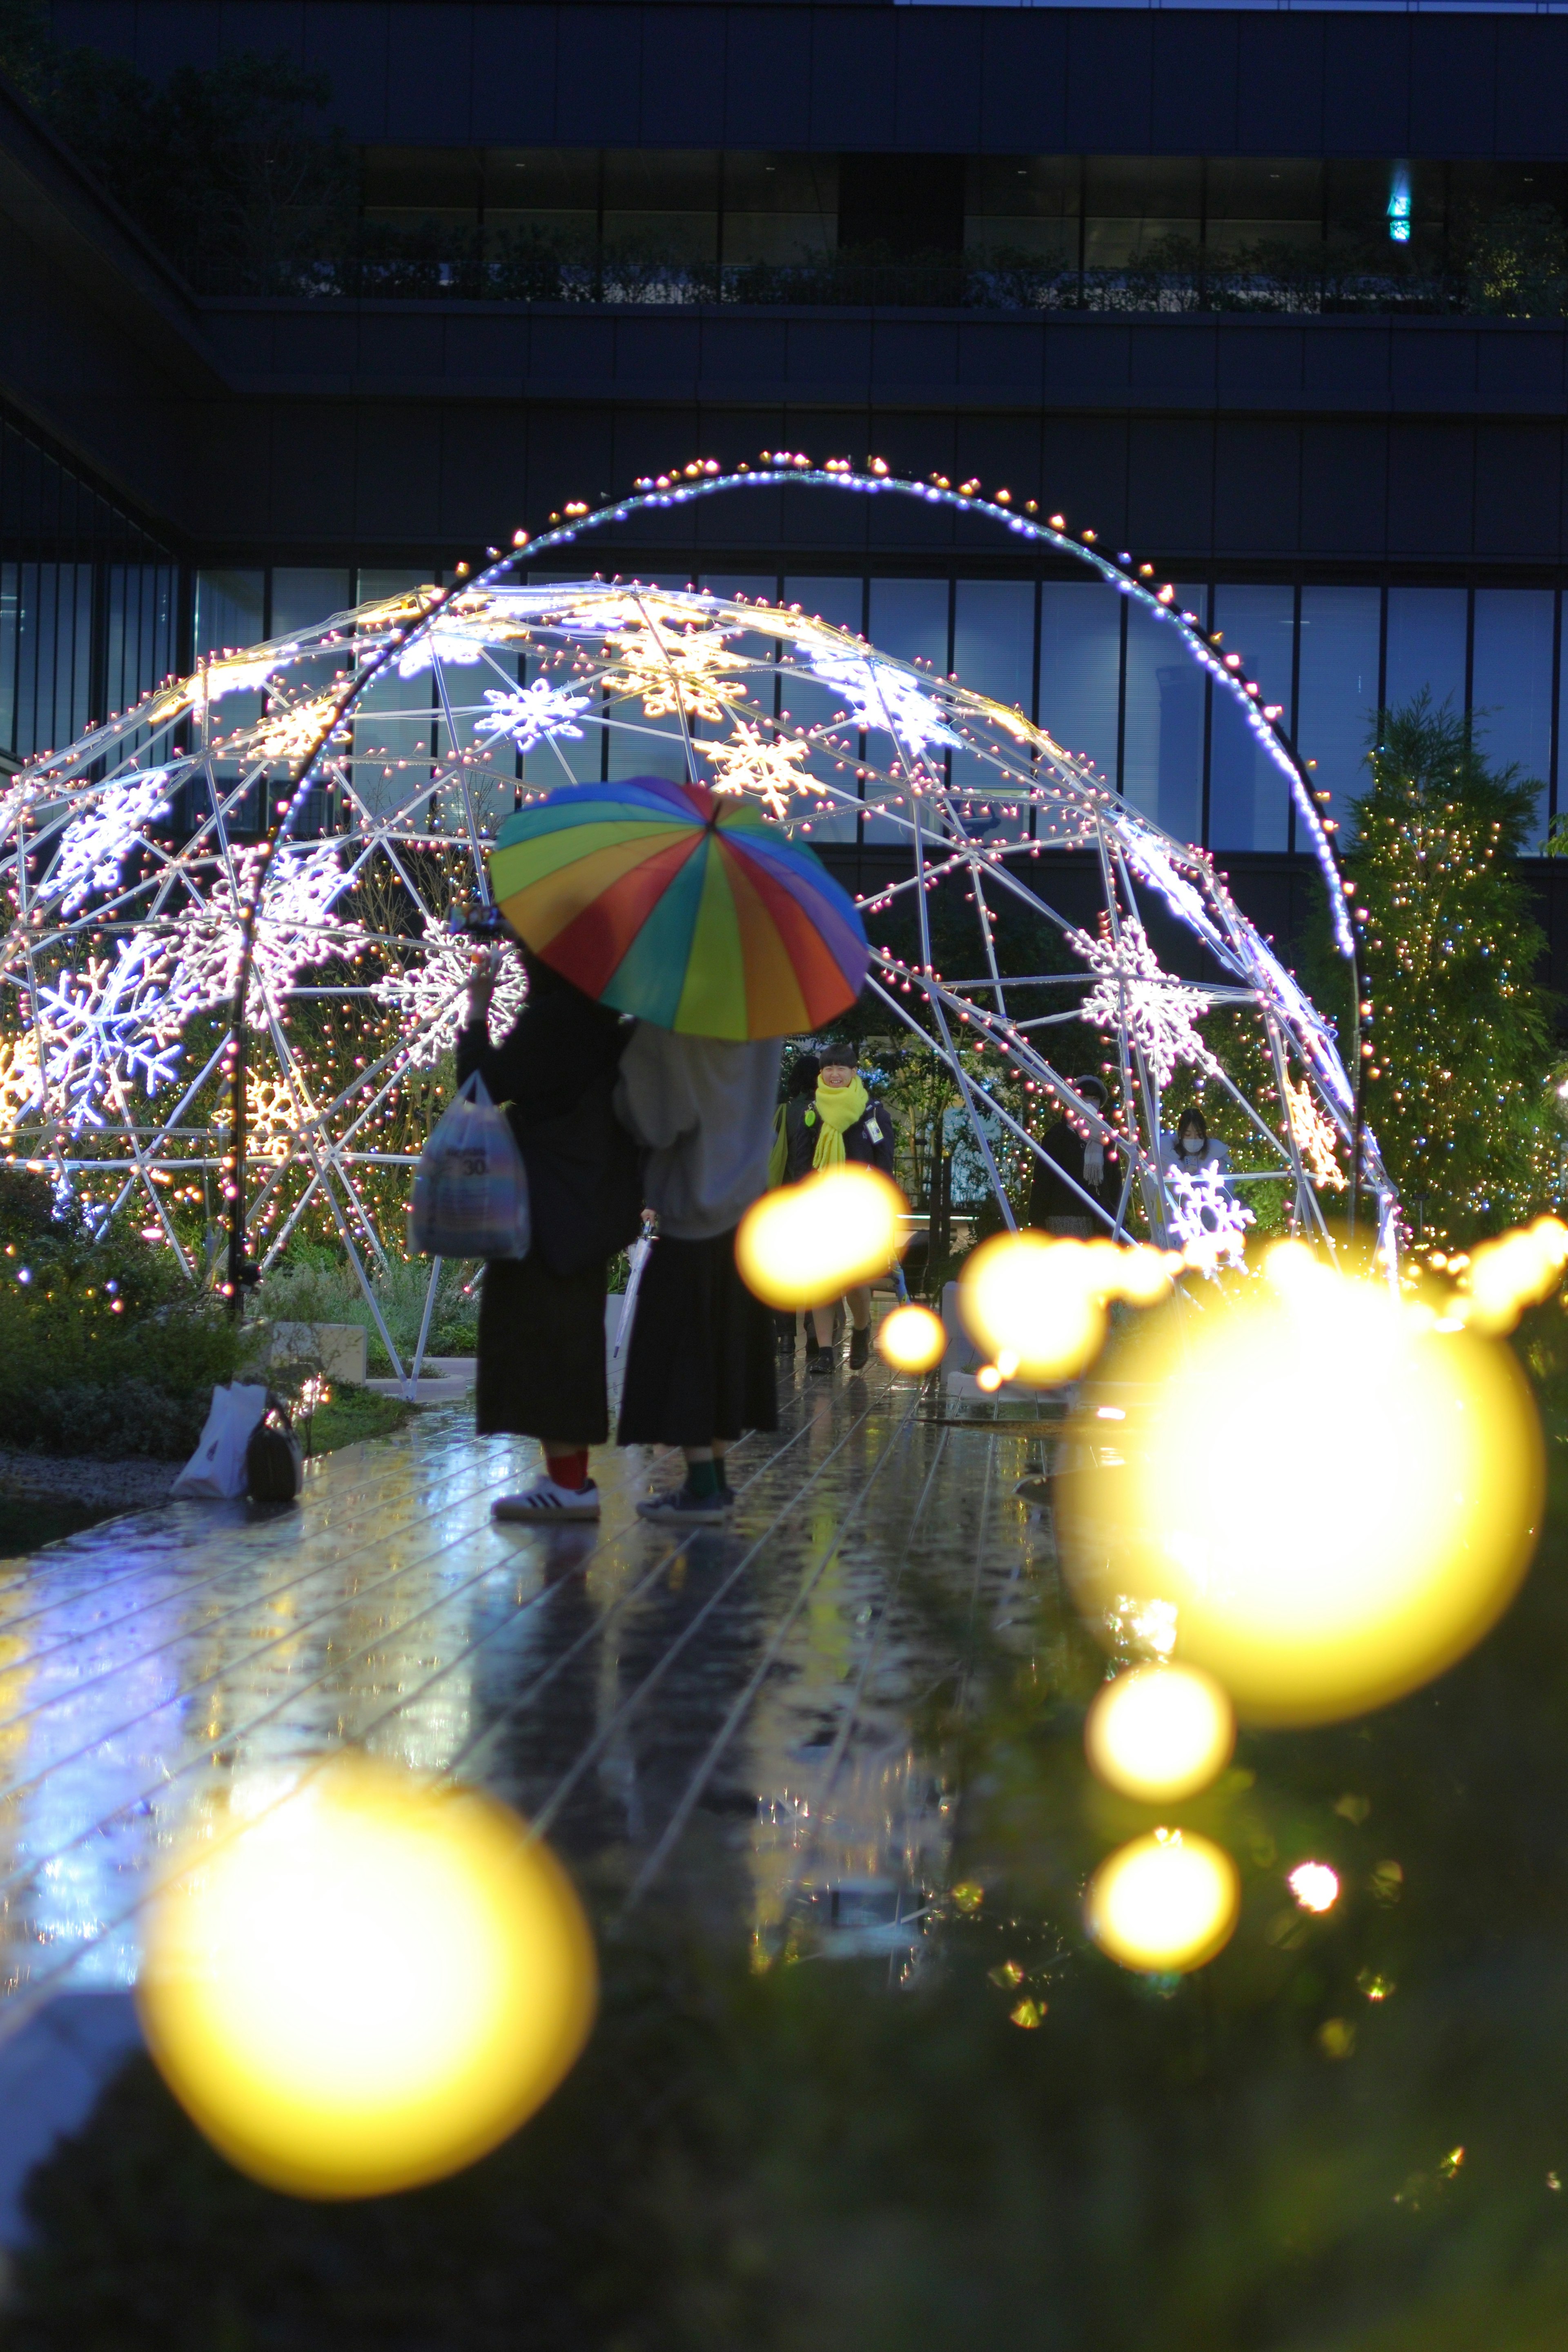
pixel 470 1191
pixel 215 1471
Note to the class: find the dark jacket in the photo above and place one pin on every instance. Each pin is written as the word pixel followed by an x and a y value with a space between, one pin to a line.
pixel 555 1071
pixel 1050 1197
pixel 869 1140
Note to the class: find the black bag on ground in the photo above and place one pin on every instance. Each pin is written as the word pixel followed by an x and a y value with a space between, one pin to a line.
pixel 273 1467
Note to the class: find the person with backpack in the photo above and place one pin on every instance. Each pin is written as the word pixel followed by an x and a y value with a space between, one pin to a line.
pixel 540 1369
pixel 838 1123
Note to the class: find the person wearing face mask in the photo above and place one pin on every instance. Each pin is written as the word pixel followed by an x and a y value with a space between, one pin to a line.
pixel 1077 1160
pixel 1192 1148
pixel 838 1122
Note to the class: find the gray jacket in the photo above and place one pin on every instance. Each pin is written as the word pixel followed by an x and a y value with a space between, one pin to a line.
pixel 703 1110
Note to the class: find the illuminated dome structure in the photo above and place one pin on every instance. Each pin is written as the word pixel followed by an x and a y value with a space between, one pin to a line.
pixel 313 814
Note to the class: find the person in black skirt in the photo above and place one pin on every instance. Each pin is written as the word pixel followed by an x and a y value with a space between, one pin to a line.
pixel 800 1084
pixel 838 1122
pixel 542 1318
pixel 700 1369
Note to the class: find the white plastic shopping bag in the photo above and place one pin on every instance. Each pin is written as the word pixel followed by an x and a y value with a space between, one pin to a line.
pixel 215 1471
pixel 470 1191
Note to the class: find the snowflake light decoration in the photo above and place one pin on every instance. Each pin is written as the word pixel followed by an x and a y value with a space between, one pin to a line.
pixel 1315 1138
pixel 750 762
pixel 883 694
pixel 1134 992
pixel 531 715
pixel 128 860
pixel 427 996
pixel 1208 1225
pixel 689 672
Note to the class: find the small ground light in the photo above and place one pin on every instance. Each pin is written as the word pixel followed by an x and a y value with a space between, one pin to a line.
pixel 803 1243
pixel 1315 1886
pixel 912 1339
pixel 367 1986
pixel 1160 1733
pixel 1165 1903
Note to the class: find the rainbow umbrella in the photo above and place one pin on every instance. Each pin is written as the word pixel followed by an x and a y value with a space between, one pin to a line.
pixel 682 906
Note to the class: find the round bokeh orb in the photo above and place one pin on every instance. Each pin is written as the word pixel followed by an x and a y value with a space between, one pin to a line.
pixel 369 1985
pixel 1315 1567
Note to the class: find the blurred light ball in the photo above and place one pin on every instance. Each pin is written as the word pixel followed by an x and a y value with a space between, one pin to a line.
pixel 1160 1733
pixel 1035 1299
pixel 1164 1903
pixel 1315 1886
pixel 803 1245
pixel 368 1985
pixel 1333 1497
pixel 912 1339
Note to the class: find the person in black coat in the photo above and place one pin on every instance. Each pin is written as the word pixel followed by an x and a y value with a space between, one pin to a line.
pixel 837 1122
pixel 1072 1151
pixel 542 1318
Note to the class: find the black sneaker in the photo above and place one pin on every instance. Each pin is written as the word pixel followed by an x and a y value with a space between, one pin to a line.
pixel 859 1348
pixel 822 1363
pixel 684 1509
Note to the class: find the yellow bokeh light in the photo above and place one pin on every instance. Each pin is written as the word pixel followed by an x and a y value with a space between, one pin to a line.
pixel 803 1244
pixel 1160 1733
pixel 1331 1496
pixel 1516 1270
pixel 369 1985
pixel 1164 1903
pixel 912 1339
pixel 1040 1303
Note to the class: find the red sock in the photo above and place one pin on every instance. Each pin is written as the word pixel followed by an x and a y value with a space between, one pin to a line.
pixel 569 1469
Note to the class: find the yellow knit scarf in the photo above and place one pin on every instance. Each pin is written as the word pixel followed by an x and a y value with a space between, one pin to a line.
pixel 837 1108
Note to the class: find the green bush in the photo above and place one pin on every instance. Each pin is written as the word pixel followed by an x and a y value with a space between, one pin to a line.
pixel 105 1348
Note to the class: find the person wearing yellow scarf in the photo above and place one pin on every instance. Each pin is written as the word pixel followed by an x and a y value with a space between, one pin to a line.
pixel 839 1122
pixel 840 1103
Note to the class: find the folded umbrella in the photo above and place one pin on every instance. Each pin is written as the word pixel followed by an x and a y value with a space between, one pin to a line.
pixel 686 907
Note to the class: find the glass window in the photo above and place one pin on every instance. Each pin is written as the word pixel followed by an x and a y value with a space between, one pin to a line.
pixel 1025 204
pixel 908 619
pixel 408 186
pixel 1131 202
pixel 547 191
pixel 393 721
pixel 1162 741
pixel 662 205
pixel 47 618
pixel 228 611
pixel 838 599
pixel 304 595
pixel 994 653
pixel 1263 200
pixel 780 208
pixel 1080 669
pixel 1338 706
pixel 1510 684
pixel 1427 647
pixel 10 631
pixel 1249 797
pixel 141 605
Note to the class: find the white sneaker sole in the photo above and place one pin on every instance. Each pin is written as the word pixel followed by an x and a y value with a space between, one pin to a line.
pixel 552 1515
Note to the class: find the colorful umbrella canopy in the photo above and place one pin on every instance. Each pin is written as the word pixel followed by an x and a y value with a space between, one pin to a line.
pixel 685 906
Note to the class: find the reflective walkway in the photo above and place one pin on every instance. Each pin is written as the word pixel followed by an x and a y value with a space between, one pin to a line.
pixel 729 1721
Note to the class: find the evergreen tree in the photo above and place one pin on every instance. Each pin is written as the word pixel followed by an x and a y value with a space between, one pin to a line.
pixel 1456 1090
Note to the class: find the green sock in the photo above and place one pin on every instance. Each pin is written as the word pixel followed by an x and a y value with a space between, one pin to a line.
pixel 724 1480
pixel 703 1479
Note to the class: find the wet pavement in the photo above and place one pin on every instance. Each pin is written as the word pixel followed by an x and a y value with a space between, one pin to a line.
pixel 728 1721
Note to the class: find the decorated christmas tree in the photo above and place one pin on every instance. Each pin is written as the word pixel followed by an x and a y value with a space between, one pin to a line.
pixel 1456 1090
